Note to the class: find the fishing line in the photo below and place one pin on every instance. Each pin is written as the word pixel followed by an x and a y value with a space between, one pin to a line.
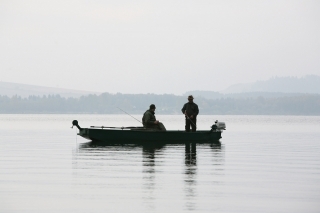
pixel 76 139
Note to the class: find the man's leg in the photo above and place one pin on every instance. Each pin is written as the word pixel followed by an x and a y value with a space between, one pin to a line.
pixel 161 126
pixel 194 125
pixel 187 127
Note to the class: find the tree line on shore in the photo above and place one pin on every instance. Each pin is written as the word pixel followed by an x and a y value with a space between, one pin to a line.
pixel 106 103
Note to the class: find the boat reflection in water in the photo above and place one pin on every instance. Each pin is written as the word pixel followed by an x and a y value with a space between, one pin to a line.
pixel 149 153
pixel 190 174
pixel 164 172
pixel 191 168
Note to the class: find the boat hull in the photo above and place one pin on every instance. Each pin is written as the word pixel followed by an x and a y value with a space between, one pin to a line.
pixel 110 136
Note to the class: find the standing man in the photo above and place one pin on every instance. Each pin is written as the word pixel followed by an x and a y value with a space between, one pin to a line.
pixel 149 120
pixel 190 110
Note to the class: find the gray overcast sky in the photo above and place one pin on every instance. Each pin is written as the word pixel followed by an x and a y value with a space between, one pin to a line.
pixel 158 47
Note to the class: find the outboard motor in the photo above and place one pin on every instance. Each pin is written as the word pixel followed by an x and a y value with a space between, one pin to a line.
pixel 218 126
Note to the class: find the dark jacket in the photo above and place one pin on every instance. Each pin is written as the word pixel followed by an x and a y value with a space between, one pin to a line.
pixel 148 119
pixel 191 108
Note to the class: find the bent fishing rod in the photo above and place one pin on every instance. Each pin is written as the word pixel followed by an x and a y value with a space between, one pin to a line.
pixel 130 115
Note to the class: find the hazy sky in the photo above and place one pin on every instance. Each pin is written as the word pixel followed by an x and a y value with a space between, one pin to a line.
pixel 156 46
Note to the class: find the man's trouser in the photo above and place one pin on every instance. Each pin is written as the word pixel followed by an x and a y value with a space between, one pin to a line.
pixel 191 122
pixel 158 126
pixel 161 126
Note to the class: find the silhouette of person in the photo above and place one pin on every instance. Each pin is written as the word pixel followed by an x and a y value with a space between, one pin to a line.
pixel 190 110
pixel 149 119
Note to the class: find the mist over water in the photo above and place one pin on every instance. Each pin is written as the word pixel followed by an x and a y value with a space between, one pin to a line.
pixel 262 164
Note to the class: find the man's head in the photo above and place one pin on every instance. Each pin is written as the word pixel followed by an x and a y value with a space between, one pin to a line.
pixel 190 98
pixel 152 107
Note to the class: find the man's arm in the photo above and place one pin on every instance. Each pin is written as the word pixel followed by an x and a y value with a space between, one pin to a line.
pixel 196 110
pixel 148 119
pixel 184 109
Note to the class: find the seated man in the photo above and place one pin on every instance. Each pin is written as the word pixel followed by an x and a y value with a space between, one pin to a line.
pixel 149 120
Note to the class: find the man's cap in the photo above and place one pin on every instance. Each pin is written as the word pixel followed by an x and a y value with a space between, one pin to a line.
pixel 152 106
pixel 190 97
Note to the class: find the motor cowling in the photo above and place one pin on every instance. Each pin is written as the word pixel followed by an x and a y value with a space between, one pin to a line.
pixel 218 126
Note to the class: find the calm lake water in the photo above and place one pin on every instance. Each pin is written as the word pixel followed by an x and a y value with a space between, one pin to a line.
pixel 263 164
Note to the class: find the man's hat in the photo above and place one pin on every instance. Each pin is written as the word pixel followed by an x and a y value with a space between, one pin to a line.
pixel 190 97
pixel 152 106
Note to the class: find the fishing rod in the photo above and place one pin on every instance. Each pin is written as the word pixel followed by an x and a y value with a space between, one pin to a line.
pixel 130 115
pixel 112 127
pixel 190 120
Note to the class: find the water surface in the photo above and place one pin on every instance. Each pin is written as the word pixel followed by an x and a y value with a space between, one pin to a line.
pixel 263 164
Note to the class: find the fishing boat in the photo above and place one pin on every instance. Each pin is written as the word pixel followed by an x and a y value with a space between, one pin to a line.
pixel 141 135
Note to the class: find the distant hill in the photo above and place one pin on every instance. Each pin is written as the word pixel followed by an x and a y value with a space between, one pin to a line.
pixel 303 104
pixel 217 95
pixel 306 84
pixel 24 90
